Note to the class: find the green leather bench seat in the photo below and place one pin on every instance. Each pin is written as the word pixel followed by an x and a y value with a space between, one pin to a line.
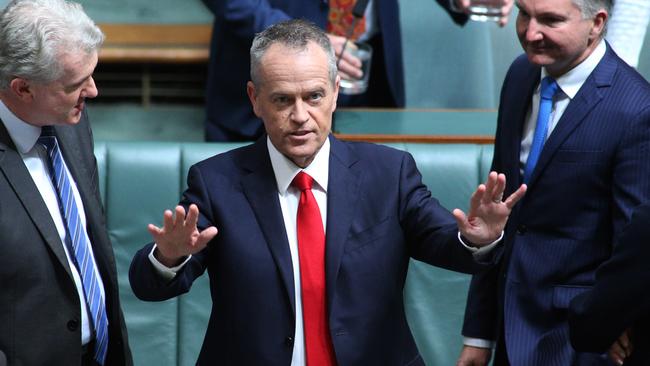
pixel 139 180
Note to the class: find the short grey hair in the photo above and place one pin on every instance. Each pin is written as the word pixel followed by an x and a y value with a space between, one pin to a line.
pixel 589 8
pixel 296 34
pixel 35 33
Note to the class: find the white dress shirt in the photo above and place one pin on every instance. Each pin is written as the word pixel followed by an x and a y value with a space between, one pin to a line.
pixel 36 160
pixel 569 85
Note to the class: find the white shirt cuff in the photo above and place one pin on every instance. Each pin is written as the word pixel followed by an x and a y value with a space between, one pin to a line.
pixel 477 252
pixel 166 272
pixel 478 342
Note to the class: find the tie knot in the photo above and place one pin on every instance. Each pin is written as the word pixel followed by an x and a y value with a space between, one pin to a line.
pixel 47 137
pixel 549 88
pixel 47 131
pixel 303 181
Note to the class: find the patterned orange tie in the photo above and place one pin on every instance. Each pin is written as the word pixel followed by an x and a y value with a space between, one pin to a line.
pixel 340 19
pixel 311 252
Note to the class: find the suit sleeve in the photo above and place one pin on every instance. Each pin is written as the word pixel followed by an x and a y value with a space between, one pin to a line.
pixel 245 18
pixel 147 284
pixel 620 296
pixel 431 232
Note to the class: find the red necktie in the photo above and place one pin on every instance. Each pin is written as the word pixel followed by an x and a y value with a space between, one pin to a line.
pixel 311 250
pixel 340 19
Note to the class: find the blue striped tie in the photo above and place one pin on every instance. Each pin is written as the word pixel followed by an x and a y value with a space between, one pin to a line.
pixel 548 89
pixel 78 239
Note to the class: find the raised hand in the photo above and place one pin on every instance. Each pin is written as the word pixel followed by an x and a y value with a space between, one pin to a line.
pixel 488 211
pixel 179 236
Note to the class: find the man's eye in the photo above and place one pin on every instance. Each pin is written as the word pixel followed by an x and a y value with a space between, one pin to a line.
pixel 315 96
pixel 281 100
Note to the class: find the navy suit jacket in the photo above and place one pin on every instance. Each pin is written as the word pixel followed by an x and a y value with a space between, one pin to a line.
pixel 236 22
pixel 379 214
pixel 620 298
pixel 593 171
pixel 40 313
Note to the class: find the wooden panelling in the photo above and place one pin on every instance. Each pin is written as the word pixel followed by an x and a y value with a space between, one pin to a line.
pixel 156 43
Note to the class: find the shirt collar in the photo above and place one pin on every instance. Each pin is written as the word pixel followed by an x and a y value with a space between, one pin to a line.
pixel 571 82
pixel 22 133
pixel 285 170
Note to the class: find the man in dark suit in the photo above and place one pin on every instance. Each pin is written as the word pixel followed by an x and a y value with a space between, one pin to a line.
pixel 614 313
pixel 228 113
pixel 373 214
pixel 51 311
pixel 592 169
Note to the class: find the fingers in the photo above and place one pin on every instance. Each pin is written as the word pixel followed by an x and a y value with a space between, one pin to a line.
pixel 505 11
pixel 626 345
pixel 512 200
pixel 494 187
pixel 461 218
pixel 477 197
pixel 179 217
pixel 349 66
pixel 206 235
pixel 155 231
pixel 168 220
pixel 462 5
pixel 192 217
pixel 616 353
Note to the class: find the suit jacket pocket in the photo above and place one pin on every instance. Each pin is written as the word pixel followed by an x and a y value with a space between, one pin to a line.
pixel 580 156
pixel 369 234
pixel 562 295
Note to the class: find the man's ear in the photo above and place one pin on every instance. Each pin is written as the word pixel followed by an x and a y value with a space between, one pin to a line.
pixel 252 96
pixel 337 83
pixel 600 19
pixel 22 89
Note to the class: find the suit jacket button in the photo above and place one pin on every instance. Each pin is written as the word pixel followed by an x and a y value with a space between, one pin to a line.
pixel 288 341
pixel 73 325
pixel 521 229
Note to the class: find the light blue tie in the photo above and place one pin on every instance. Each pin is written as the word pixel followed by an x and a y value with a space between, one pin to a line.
pixel 548 89
pixel 77 239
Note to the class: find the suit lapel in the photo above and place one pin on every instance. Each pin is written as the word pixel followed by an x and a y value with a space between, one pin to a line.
pixel 342 195
pixel 13 167
pixel 589 95
pixel 261 190
pixel 518 107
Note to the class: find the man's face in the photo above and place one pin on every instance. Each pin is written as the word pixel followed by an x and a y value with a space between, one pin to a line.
pixel 554 34
pixel 295 98
pixel 61 102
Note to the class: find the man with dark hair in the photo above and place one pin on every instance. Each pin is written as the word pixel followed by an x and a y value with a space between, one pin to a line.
pixel 59 301
pixel 315 234
pixel 574 125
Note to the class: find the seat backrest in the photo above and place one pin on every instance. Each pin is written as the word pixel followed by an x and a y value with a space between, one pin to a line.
pixel 139 180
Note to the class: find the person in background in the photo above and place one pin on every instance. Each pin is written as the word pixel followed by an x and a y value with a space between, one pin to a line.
pixel 229 116
pixel 59 301
pixel 314 234
pixel 574 125
pixel 627 28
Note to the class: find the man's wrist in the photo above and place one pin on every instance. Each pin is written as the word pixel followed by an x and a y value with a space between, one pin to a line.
pixel 166 261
